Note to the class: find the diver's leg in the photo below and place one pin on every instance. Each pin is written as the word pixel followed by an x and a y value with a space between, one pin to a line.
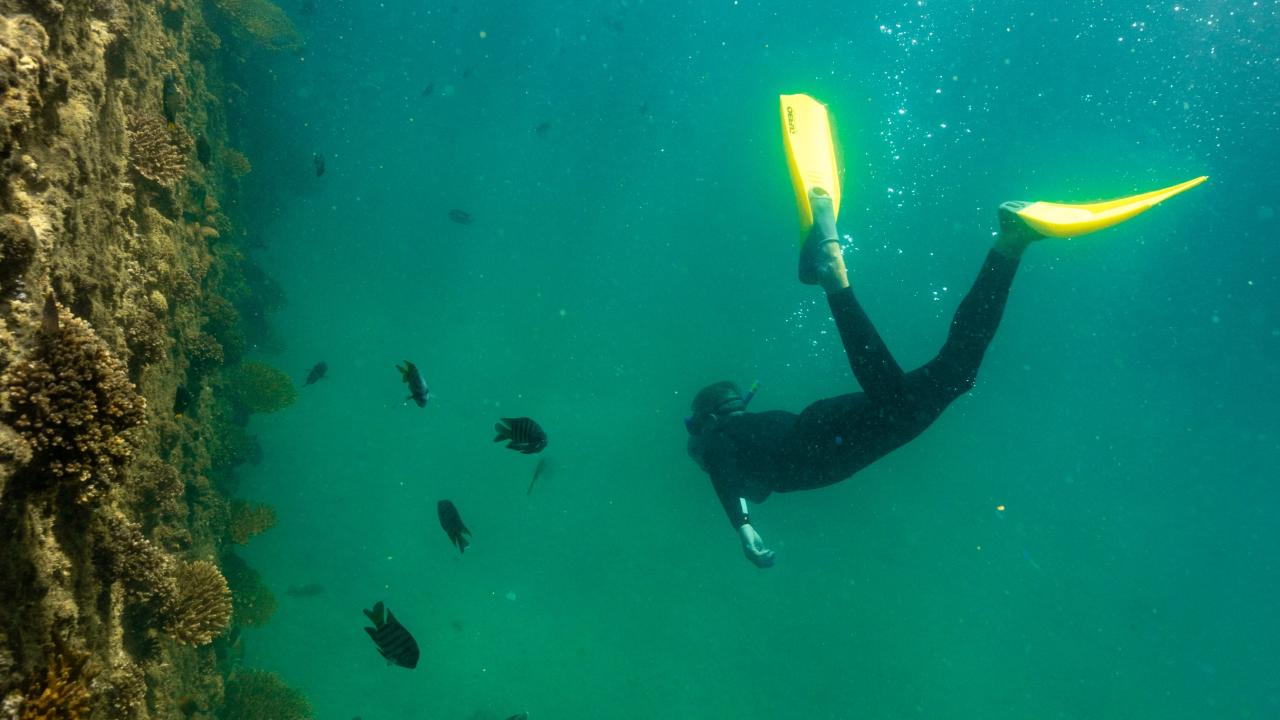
pixel 822 263
pixel 954 370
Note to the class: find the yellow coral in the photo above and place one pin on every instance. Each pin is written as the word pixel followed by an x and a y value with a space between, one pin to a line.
pixel 260 388
pixel 63 692
pixel 200 607
pixel 249 519
pixel 158 149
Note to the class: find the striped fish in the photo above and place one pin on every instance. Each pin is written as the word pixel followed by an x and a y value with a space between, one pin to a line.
pixel 393 641
pixel 522 433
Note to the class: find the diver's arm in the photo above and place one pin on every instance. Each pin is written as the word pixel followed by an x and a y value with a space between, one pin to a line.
pixel 752 544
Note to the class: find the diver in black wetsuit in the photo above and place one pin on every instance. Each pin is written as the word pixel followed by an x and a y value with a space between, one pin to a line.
pixel 750 455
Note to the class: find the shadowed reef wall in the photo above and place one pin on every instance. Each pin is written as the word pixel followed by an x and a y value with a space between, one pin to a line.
pixel 122 389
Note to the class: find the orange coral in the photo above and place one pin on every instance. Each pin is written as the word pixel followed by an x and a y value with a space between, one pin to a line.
pixel 63 691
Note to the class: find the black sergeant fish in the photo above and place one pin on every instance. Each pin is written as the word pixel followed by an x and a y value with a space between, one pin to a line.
pixel 451 521
pixel 462 217
pixel 418 391
pixel 393 641
pixel 522 433
pixel 316 373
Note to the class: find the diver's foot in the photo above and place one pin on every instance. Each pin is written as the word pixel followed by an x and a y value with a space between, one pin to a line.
pixel 821 257
pixel 1015 234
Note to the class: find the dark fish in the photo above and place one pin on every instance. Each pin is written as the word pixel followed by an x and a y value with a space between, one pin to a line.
pixel 318 161
pixel 304 591
pixel 451 521
pixel 519 716
pixel 171 100
pixel 430 88
pixel 523 433
pixel 393 641
pixel 418 391
pixel 644 108
pixel 462 217
pixel 316 373
pixel 204 153
pixel 542 128
pixel 543 465
pixel 182 400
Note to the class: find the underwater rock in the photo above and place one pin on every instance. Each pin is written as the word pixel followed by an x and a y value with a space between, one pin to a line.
pixel 23 68
pixel 200 607
pixel 71 402
pixel 18 246
pixel 260 695
pixel 158 150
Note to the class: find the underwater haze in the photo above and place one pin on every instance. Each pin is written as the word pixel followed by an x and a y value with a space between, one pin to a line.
pixel 1090 533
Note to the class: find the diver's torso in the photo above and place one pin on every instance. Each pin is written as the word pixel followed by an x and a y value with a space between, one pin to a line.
pixel 748 451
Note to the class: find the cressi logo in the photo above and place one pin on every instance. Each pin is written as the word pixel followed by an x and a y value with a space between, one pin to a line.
pixel 791 120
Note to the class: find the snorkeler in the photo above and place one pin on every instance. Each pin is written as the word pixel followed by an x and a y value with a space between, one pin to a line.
pixel 751 455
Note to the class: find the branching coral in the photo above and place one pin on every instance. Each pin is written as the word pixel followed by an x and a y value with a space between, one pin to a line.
pixel 23 68
pixel 144 569
pixel 237 164
pixel 247 520
pixel 120 693
pixel 260 695
pixel 260 388
pixel 157 149
pixel 200 607
pixel 62 692
pixel 71 401
pixel 17 247
pixel 265 21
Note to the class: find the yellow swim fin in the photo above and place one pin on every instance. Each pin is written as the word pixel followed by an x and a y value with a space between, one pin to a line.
pixel 1064 221
pixel 811 154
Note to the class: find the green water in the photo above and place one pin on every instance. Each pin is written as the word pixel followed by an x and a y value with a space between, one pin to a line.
pixel 1127 416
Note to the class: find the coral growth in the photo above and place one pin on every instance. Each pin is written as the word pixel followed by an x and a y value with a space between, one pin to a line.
pixel 252 603
pixel 237 164
pixel 259 695
pixel 144 569
pixel 260 388
pixel 248 520
pixel 204 351
pixel 72 401
pixel 23 67
pixel 62 692
pixel 264 21
pixel 121 693
pixel 200 607
pixel 158 150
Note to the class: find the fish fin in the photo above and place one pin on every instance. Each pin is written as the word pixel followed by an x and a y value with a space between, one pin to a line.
pixel 463 543
pixel 504 431
pixel 375 615
pixel 373 634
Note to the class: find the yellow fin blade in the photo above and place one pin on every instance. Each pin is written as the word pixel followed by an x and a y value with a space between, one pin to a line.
pixel 1063 220
pixel 811 154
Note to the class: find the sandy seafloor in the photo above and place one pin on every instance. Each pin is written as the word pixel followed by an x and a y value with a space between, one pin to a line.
pixel 643 244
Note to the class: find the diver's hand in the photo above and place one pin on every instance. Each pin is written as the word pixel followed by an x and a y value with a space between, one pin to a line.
pixel 753 547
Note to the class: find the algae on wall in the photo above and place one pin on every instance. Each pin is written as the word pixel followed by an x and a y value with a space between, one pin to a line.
pixel 118 432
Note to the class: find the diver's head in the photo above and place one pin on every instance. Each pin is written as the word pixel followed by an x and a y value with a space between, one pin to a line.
pixel 712 404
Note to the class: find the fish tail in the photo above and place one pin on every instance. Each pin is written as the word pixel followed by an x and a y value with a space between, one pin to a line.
pixel 504 432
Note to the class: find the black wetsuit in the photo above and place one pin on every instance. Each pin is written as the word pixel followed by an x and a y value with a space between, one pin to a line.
pixel 750 455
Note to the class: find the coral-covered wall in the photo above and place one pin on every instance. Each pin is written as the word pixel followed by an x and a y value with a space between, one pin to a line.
pixel 119 339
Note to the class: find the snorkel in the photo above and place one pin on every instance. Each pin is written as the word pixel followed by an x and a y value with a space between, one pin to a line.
pixel 745 399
